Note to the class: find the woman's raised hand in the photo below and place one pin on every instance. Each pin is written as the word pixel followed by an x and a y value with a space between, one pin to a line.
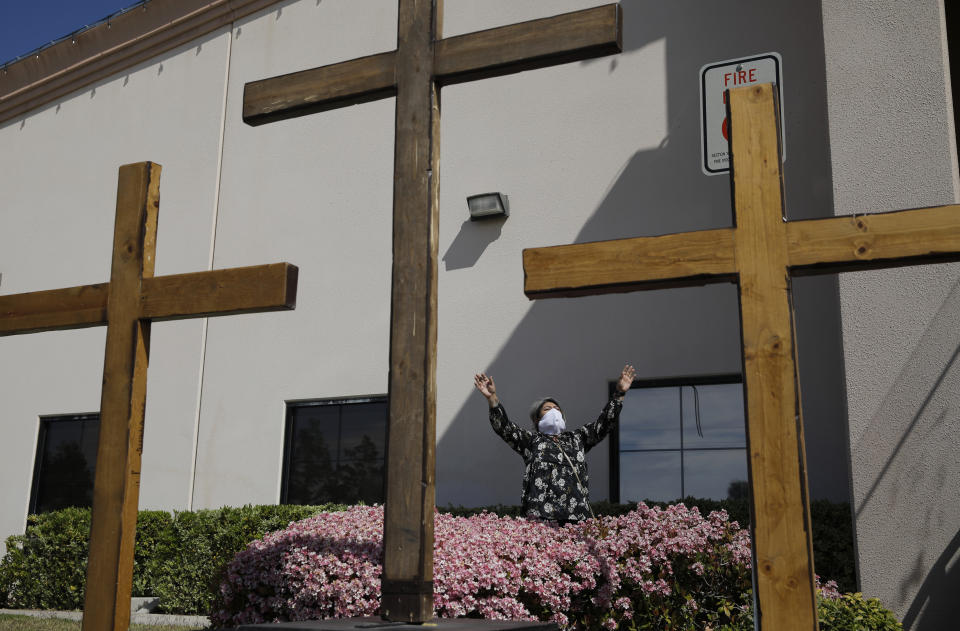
pixel 487 388
pixel 626 378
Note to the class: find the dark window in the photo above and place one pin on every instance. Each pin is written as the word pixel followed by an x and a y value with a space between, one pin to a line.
pixel 66 459
pixel 681 438
pixel 334 451
pixel 951 9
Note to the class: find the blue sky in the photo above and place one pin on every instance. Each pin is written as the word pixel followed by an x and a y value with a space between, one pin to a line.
pixel 26 25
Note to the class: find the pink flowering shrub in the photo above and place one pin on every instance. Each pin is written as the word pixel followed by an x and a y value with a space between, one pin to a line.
pixel 672 568
pixel 828 590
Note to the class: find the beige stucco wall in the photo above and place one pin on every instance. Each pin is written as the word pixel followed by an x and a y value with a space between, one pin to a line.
pixel 893 147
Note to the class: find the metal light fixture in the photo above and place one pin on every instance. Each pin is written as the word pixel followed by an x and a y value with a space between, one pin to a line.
pixel 488 205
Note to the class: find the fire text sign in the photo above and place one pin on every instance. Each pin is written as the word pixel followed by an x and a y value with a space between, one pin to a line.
pixel 715 80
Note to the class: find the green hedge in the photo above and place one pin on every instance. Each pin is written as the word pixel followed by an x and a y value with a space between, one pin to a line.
pixel 178 557
pixel 832 529
pixel 46 567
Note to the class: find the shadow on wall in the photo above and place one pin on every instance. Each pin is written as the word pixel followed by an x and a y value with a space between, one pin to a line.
pixel 935 604
pixel 669 332
pixel 470 242
pixel 915 433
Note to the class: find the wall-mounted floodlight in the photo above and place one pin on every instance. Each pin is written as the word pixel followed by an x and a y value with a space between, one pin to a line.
pixel 488 205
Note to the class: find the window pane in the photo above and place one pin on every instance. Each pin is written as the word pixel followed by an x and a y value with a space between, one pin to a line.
pixel 363 432
pixel 651 475
pixel 335 452
pixel 650 419
pixel 65 463
pixel 716 474
pixel 360 480
pixel 315 437
pixel 721 416
pixel 709 444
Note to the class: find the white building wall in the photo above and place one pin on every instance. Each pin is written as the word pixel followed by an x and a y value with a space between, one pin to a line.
pixel 316 191
pixel 893 147
pixel 58 182
pixel 601 149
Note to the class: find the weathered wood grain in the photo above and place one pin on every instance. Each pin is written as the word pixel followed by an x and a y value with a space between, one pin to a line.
pixel 673 260
pixel 499 51
pixel 199 294
pixel 406 586
pixel 117 477
pixel 324 88
pixel 875 240
pixel 220 292
pixel 539 43
pixel 54 309
pixel 784 554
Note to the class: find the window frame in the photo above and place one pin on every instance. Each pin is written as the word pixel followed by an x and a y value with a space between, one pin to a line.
pixel 669 382
pixel 43 428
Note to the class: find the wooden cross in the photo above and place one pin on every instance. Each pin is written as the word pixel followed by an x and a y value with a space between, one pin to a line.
pixel 414 73
pixel 760 255
pixel 127 305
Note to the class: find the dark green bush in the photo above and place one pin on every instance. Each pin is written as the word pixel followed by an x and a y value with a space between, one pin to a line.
pixel 833 543
pixel 854 612
pixel 177 557
pixel 46 567
pixel 850 612
pixel 189 563
pixel 153 534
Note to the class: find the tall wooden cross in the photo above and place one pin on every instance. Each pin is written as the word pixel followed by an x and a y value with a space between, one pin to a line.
pixel 414 73
pixel 760 255
pixel 127 305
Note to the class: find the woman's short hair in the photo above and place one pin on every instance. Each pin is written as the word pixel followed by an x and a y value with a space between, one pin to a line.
pixel 535 409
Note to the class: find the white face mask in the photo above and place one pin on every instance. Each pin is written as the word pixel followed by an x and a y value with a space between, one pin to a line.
pixel 552 422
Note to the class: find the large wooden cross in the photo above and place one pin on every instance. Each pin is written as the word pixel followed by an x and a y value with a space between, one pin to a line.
pixel 127 305
pixel 414 73
pixel 760 254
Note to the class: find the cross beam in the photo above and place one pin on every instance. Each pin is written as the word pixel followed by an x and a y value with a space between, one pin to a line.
pixel 127 305
pixel 491 53
pixel 414 72
pixel 760 255
pixel 175 297
pixel 814 246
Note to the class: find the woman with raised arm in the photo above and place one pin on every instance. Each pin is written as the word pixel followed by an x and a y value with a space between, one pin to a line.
pixel 555 480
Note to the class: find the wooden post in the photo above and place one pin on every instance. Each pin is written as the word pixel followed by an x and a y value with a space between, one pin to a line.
pixel 116 486
pixel 407 581
pixel 783 552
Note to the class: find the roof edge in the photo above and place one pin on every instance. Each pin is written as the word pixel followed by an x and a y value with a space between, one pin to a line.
pixel 108 48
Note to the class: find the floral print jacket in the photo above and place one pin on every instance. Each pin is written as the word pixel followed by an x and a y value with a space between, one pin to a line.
pixel 551 490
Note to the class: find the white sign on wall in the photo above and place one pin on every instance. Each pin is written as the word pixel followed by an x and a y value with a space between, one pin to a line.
pixel 715 80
